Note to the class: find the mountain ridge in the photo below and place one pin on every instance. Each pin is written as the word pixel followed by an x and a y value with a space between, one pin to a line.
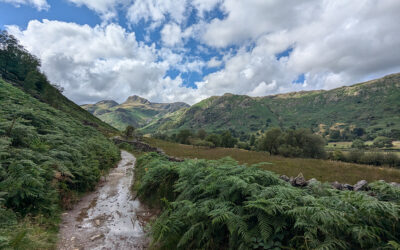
pixel 372 105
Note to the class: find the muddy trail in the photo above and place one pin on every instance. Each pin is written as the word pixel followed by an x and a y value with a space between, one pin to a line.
pixel 108 218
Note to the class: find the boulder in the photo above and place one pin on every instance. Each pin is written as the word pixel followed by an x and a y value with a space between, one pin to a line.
pixel 311 181
pixel 300 181
pixel 337 185
pixel 284 177
pixel 348 187
pixel 395 184
pixel 361 185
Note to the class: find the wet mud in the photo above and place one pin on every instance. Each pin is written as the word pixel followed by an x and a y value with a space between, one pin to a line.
pixel 110 217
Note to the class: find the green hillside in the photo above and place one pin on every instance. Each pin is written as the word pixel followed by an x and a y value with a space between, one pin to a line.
pixel 51 150
pixel 135 111
pixel 21 68
pixel 370 109
pixel 46 156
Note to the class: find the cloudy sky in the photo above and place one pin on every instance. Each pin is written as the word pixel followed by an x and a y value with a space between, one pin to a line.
pixel 187 50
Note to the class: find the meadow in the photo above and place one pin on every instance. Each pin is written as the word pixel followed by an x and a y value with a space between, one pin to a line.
pixel 323 170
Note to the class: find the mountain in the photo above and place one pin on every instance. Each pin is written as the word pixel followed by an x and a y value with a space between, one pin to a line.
pixel 135 111
pixel 371 108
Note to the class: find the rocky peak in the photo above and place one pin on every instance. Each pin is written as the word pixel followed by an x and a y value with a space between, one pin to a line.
pixel 137 99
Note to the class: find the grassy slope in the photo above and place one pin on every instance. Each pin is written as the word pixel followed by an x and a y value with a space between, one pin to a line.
pixel 374 105
pixel 58 101
pixel 323 170
pixel 47 156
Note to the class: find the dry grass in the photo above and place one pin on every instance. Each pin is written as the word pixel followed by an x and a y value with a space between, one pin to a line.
pixel 323 170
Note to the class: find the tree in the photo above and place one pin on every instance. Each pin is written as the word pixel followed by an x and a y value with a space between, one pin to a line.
pixel 201 134
pixel 183 136
pixel 227 140
pixel 334 135
pixel 215 139
pixel 129 131
pixel 357 143
pixel 382 142
pixel 252 140
pixel 358 132
pixel 270 141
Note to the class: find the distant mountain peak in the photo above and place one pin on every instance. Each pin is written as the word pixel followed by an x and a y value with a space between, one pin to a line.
pixel 110 102
pixel 137 99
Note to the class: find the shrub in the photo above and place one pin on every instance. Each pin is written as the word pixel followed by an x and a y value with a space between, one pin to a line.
pixel 221 205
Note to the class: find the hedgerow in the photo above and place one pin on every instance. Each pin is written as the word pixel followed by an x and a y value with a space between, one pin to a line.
pixel 222 205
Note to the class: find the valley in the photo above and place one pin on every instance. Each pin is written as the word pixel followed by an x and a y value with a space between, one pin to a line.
pixel 364 110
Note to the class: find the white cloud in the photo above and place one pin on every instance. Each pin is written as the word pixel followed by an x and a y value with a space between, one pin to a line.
pixel 107 9
pixel 38 4
pixel 99 63
pixel 335 42
pixel 214 63
pixel 156 11
pixel 171 35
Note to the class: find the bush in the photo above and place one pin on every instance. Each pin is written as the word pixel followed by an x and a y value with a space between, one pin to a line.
pixel 382 142
pixel 243 145
pixel 293 143
pixel 221 205
pixel 45 154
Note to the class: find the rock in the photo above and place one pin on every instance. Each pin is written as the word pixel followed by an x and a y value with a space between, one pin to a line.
pixel 395 184
pixel 311 181
pixel 96 237
pixel 300 181
pixel 73 238
pixel 348 187
pixel 97 222
pixel 337 185
pixel 284 177
pixel 361 185
pixel 291 180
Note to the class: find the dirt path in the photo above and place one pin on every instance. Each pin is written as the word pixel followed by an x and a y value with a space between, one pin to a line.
pixel 108 218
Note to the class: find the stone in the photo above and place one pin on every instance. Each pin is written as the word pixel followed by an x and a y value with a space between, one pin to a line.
pixel 361 185
pixel 395 184
pixel 337 185
pixel 348 187
pixel 96 237
pixel 311 181
pixel 284 177
pixel 300 181
pixel 97 222
pixel 291 180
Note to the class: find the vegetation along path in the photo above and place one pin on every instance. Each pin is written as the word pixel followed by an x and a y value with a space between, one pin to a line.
pixel 109 218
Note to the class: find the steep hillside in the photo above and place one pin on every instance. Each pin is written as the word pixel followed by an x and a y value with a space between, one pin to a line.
pixel 46 157
pixel 22 69
pixel 373 106
pixel 134 111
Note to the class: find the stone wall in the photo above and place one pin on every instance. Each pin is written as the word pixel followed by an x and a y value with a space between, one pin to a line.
pixel 300 181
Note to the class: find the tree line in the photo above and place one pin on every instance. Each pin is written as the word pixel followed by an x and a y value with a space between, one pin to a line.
pixel 289 143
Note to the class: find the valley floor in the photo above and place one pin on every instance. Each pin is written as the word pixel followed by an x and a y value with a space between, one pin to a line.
pixel 323 170
pixel 109 218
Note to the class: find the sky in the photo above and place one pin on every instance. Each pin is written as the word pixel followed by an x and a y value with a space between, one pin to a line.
pixel 188 50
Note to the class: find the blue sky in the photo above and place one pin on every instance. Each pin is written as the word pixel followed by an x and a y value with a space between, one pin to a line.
pixel 65 11
pixel 187 50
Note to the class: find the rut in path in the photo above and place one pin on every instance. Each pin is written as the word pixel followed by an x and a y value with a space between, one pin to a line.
pixel 108 218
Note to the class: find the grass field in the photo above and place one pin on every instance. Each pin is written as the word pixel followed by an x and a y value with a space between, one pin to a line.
pixel 322 170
